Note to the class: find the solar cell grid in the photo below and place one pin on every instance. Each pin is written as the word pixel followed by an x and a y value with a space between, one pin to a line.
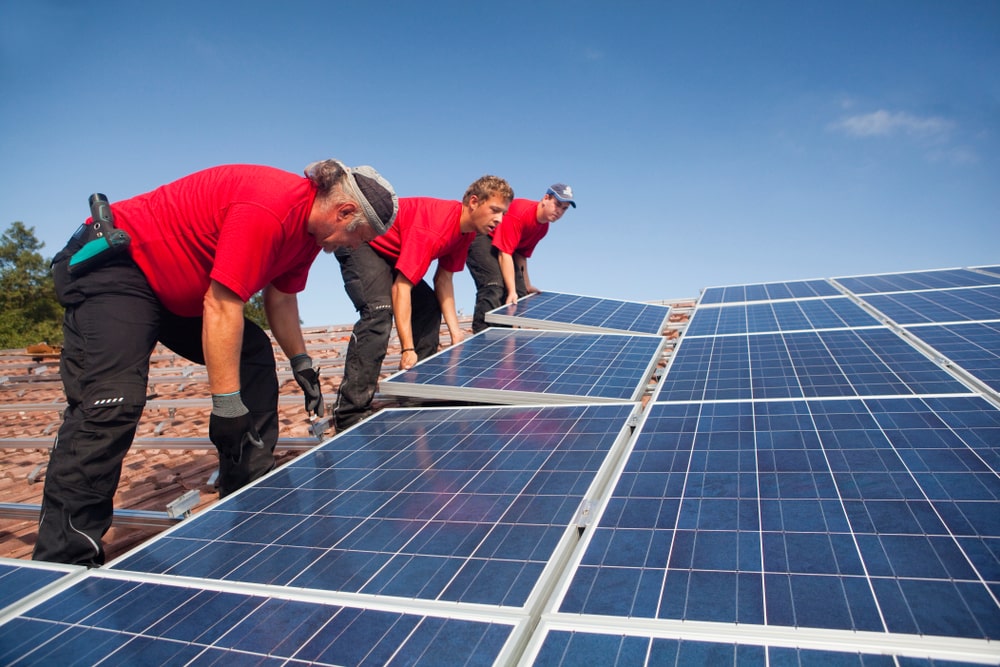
pixel 852 515
pixel 798 289
pixel 806 314
pixel 859 362
pixel 570 647
pixel 19 579
pixel 916 280
pixel 555 310
pixel 111 621
pixel 520 366
pixel 463 505
pixel 942 306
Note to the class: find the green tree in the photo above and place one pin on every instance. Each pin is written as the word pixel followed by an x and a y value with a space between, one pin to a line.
pixel 254 311
pixel 29 312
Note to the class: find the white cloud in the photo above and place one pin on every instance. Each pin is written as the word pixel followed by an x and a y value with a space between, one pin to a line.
pixel 883 123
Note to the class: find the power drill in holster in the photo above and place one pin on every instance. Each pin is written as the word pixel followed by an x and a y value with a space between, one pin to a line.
pixel 101 241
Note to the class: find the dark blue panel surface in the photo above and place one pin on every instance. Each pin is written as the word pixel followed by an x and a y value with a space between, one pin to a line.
pixel 862 362
pixel 973 346
pixel 565 648
pixel 778 316
pixel 137 623
pixel 768 291
pixel 586 312
pixel 465 505
pixel 944 306
pixel 18 581
pixel 876 515
pixel 540 363
pixel 916 280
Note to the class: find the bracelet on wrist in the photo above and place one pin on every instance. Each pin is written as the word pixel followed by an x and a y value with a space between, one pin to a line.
pixel 408 349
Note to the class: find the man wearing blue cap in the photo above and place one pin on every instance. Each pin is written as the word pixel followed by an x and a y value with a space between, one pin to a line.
pixel 498 261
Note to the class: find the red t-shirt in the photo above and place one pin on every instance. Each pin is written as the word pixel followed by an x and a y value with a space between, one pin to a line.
pixel 520 230
pixel 241 225
pixel 425 229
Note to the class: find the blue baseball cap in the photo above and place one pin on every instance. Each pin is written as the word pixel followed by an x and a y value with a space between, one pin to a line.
pixel 562 192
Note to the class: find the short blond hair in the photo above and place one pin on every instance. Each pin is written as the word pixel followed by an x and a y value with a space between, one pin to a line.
pixel 487 186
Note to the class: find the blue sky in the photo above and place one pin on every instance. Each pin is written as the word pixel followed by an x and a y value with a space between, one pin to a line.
pixel 708 143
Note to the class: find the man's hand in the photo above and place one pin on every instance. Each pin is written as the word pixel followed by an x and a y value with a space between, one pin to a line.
pixel 408 359
pixel 230 435
pixel 231 427
pixel 308 379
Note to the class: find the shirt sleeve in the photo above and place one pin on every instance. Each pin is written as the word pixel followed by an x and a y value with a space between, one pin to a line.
pixel 248 241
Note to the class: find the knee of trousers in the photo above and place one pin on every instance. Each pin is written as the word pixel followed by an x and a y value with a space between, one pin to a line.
pixel 377 318
pixel 97 432
pixel 113 402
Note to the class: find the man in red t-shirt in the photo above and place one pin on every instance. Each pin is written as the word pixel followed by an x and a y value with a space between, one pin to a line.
pixel 498 262
pixel 384 279
pixel 198 249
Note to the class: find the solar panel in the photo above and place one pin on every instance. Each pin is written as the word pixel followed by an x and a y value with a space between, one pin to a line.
pixel 805 314
pixel 767 292
pixel 852 516
pixel 20 579
pixel 916 280
pixel 523 366
pixel 973 346
pixel 122 621
pixel 562 644
pixel 853 362
pixel 808 487
pixel 950 305
pixel 571 312
pixel 462 505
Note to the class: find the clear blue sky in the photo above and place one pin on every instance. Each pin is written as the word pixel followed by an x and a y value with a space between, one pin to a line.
pixel 708 143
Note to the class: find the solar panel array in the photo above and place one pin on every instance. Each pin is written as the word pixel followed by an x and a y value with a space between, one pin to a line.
pixel 812 474
pixel 811 482
pixel 523 366
pixel 571 312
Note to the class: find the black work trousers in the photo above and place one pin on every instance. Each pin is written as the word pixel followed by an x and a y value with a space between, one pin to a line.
pixel 368 278
pixel 491 292
pixel 111 325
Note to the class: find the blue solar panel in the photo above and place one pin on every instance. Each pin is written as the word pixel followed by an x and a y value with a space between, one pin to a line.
pixel 861 362
pixel 571 647
pixel 953 305
pixel 917 280
pixel 571 312
pixel 974 346
pixel 19 579
pixel 112 621
pixel 761 529
pixel 856 515
pixel 522 366
pixel 464 505
pixel 806 314
pixel 768 292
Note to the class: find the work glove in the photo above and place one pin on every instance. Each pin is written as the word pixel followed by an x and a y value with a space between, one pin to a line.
pixel 230 427
pixel 308 379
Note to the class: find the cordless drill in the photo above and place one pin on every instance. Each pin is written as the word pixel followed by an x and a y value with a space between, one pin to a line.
pixel 105 242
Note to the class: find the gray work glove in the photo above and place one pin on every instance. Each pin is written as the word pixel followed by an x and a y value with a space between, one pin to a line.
pixel 308 379
pixel 230 427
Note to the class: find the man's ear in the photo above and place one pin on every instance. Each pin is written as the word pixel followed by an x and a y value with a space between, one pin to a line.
pixel 347 210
